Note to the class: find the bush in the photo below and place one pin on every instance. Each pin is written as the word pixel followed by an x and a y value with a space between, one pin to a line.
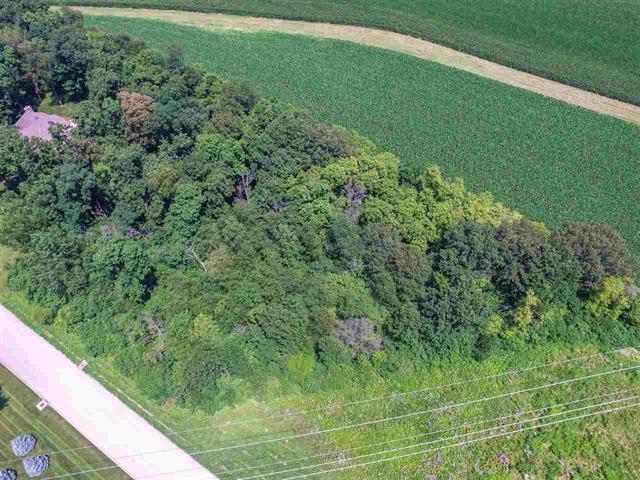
pixel 23 444
pixel 36 466
pixel 8 475
pixel 361 335
pixel 599 249
pixel 300 367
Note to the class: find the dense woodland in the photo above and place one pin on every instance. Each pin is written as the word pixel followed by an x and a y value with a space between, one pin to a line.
pixel 207 240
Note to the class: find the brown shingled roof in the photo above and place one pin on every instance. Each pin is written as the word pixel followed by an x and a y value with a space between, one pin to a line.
pixel 36 124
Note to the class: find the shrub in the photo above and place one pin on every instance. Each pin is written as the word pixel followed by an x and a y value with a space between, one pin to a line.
pixel 23 444
pixel 361 335
pixel 610 299
pixel 8 475
pixel 36 466
pixel 300 367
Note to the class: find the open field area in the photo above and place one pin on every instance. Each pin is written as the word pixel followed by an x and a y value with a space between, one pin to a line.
pixel 20 416
pixel 551 161
pixel 396 42
pixel 574 41
pixel 264 438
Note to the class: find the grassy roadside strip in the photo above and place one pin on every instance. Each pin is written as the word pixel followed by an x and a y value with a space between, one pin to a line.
pixel 53 433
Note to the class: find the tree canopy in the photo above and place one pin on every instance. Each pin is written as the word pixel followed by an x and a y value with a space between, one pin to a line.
pixel 207 238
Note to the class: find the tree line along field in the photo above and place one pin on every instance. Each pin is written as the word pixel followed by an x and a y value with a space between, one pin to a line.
pixel 20 416
pixel 552 161
pixel 589 448
pixel 219 255
pixel 579 42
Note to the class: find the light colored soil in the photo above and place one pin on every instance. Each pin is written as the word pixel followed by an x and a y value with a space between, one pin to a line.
pixel 631 353
pixel 122 435
pixel 390 41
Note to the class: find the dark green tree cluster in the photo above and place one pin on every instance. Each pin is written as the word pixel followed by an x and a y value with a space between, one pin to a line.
pixel 207 239
pixel 40 52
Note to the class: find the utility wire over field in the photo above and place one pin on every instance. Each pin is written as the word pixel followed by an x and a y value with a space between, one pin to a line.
pixel 376 399
pixel 456 427
pixel 395 396
pixel 466 442
pixel 454 437
pixel 492 425
pixel 386 452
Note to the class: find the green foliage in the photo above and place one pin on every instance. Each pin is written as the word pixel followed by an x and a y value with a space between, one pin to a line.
pixel 600 251
pixel 590 447
pixel 40 51
pixel 486 132
pixel 611 299
pixel 209 240
pixel 572 41
pixel 300 367
pixel 123 264
pixel 16 90
pixel 69 56
pixel 13 150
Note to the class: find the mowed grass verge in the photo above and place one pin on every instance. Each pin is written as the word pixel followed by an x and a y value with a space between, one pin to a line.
pixel 552 161
pixel 20 416
pixel 589 44
pixel 590 448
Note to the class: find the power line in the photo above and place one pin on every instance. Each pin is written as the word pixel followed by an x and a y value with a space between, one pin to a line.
pixel 371 422
pixel 410 415
pixel 431 442
pixel 456 427
pixel 369 400
pixel 398 395
pixel 459 444
pixel 500 427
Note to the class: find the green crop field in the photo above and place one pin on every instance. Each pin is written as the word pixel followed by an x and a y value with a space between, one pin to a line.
pixel 552 161
pixel 584 43
pixel 20 416
pixel 239 443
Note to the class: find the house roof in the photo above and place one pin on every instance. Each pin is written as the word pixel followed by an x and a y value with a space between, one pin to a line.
pixel 36 124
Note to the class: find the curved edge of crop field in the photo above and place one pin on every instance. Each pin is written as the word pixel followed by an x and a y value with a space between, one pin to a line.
pixel 533 69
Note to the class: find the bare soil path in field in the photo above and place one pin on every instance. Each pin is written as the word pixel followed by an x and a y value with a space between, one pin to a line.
pixel 390 41
pixel 105 421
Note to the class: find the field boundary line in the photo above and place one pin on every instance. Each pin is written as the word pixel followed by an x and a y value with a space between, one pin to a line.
pixel 387 40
